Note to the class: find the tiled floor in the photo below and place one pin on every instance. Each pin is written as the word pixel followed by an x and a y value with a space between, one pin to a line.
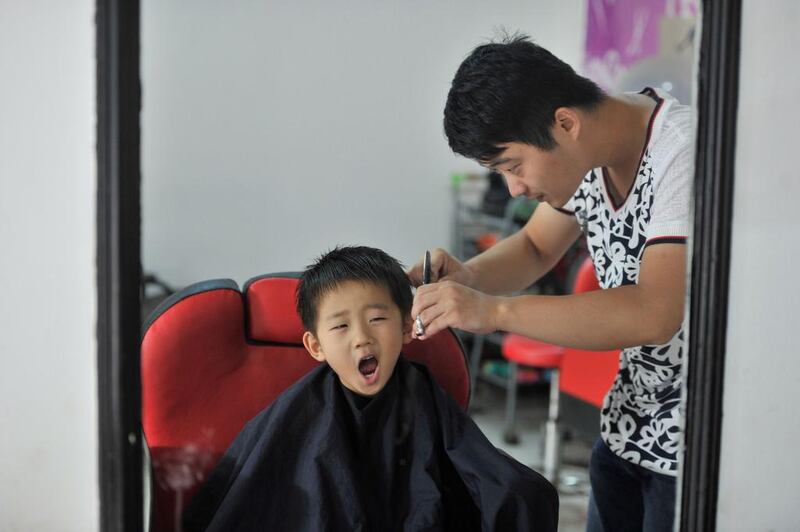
pixel 488 411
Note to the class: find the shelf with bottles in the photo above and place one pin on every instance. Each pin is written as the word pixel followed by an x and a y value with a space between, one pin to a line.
pixel 484 212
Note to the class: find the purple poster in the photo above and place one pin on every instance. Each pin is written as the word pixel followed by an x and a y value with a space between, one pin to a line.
pixel 621 33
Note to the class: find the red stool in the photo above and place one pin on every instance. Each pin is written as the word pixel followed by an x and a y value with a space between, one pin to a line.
pixel 519 350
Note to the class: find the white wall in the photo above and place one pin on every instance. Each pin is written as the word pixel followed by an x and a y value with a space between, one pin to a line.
pixel 48 390
pixel 274 130
pixel 760 469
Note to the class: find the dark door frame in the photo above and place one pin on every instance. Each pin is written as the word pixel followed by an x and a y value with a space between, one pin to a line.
pixel 118 265
pixel 119 274
pixel 717 103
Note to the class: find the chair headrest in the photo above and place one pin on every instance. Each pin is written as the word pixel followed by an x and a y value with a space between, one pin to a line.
pixel 271 309
pixel 268 303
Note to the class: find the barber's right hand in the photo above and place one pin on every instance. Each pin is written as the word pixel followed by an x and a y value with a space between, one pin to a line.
pixel 444 267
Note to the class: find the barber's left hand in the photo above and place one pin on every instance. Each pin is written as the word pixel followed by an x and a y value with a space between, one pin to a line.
pixel 449 304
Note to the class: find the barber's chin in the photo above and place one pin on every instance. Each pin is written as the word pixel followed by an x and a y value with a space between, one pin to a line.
pixel 543 198
pixel 548 201
pixel 555 203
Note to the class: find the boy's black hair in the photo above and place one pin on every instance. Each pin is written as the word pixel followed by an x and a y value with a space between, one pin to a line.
pixel 508 92
pixel 350 263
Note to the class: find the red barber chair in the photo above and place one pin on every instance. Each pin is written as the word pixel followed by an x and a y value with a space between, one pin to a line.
pixel 586 376
pixel 213 357
pixel 579 381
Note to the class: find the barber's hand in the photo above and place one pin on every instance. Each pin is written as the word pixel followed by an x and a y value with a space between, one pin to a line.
pixel 449 304
pixel 444 267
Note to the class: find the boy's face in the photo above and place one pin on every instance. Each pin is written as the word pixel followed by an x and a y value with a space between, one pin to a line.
pixel 360 332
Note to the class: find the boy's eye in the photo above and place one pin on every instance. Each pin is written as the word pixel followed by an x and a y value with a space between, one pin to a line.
pixel 340 326
pixel 378 318
pixel 515 169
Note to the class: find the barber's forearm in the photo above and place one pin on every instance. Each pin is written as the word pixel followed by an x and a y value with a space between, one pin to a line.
pixel 512 264
pixel 597 321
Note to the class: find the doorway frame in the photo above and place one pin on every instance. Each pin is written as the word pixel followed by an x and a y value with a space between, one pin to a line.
pixel 717 103
pixel 119 262
pixel 118 265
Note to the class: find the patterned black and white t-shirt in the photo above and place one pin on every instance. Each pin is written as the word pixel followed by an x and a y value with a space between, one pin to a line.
pixel 641 419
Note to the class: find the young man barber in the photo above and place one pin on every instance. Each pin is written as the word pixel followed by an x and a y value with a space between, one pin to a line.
pixel 617 169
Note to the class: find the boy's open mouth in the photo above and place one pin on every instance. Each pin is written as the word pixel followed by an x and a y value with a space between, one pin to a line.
pixel 368 367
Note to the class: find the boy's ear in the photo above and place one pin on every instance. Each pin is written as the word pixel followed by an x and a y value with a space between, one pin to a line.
pixel 313 346
pixel 407 325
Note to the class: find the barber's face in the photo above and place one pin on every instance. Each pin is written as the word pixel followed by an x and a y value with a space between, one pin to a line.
pixel 551 176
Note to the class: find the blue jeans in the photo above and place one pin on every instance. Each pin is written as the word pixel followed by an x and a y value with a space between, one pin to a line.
pixel 626 496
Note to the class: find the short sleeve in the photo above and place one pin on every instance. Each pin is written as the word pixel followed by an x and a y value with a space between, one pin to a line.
pixel 669 216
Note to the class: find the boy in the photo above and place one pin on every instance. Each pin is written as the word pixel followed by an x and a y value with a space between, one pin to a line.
pixel 367 441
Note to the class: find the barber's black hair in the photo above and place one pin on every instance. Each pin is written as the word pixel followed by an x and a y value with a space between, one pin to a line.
pixel 508 92
pixel 350 263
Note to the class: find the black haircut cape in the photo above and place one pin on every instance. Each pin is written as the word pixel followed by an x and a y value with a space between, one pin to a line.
pixel 323 458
